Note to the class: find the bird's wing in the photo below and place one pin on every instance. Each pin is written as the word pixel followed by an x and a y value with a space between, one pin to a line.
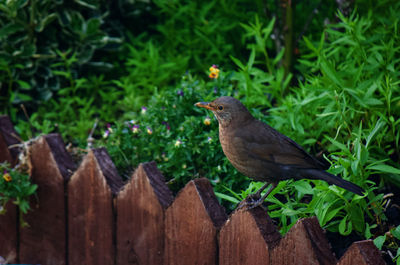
pixel 267 144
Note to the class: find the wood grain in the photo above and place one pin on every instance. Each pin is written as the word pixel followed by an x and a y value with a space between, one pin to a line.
pixel 305 243
pixel 90 212
pixel 362 253
pixel 191 225
pixel 44 240
pixel 140 209
pixel 248 237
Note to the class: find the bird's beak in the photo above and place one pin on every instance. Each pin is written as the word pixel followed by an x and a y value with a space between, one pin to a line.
pixel 205 105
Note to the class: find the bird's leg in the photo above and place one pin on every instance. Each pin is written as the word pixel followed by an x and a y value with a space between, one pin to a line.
pixel 254 203
pixel 262 199
pixel 257 195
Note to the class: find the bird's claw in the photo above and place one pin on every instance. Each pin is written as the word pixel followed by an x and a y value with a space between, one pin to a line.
pixel 251 202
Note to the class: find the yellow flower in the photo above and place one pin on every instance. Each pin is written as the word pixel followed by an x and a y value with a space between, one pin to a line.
pixel 178 143
pixel 214 72
pixel 7 177
pixel 207 121
pixel 135 128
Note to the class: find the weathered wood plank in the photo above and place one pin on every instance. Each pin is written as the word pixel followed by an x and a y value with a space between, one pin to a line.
pixel 362 253
pixel 191 225
pixel 140 209
pixel 9 220
pixel 247 238
pixel 8 138
pixel 8 233
pixel 44 240
pixel 305 244
pixel 90 210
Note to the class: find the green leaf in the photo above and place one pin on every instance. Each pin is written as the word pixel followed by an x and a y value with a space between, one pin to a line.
pixel 331 214
pixel 373 101
pixel 398 256
pixel 251 59
pixel 379 241
pixel 24 85
pixel 367 232
pixel 345 227
pixel 396 232
pixel 227 197
pixel 378 126
pixel 267 30
pixel 342 225
pixel 310 45
pixel 23 206
pixel 31 189
pixel 238 63
pixel 385 169
pixel 357 218
pixel 45 21
pixel 9 29
pixel 341 146
pixel 22 97
pixel 303 186
pixel 331 73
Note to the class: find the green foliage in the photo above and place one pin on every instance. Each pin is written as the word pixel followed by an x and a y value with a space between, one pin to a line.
pixel 181 138
pixel 149 69
pixel 348 106
pixel 31 34
pixel 207 32
pixel 78 105
pixel 15 186
pixel 255 84
pixel 392 238
pixel 190 35
pixel 344 107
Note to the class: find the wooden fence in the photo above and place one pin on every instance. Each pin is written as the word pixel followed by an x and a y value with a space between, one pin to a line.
pixel 87 215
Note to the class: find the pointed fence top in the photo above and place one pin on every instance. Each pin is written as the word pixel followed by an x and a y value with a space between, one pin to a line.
pixel 210 201
pixel 157 181
pixel 63 159
pixel 108 169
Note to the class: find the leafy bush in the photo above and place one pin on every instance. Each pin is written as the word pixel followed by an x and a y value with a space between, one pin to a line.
pixel 32 36
pixel 343 108
pixel 349 107
pixel 15 186
pixel 181 138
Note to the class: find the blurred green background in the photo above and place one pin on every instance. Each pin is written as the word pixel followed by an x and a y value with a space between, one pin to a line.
pixel 325 73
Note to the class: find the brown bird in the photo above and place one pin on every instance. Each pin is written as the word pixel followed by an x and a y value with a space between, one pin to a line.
pixel 262 153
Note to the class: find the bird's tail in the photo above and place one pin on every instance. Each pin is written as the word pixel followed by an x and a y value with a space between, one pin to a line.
pixel 332 179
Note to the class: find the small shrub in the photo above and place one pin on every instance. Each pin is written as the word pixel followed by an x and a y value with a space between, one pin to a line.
pixel 16 187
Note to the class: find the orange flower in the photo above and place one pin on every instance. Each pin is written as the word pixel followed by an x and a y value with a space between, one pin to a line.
pixel 207 121
pixel 214 72
pixel 7 177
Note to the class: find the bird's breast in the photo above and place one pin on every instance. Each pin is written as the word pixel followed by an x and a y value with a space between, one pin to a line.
pixel 235 153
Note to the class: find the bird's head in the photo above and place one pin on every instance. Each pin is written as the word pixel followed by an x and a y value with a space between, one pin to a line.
pixel 227 110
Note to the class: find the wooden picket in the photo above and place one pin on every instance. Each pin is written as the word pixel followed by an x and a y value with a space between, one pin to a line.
pixel 41 243
pixel 141 206
pixel 248 237
pixel 87 215
pixel 362 253
pixel 8 141
pixel 191 225
pixel 91 223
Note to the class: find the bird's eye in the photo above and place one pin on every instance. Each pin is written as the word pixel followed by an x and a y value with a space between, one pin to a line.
pixel 220 107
